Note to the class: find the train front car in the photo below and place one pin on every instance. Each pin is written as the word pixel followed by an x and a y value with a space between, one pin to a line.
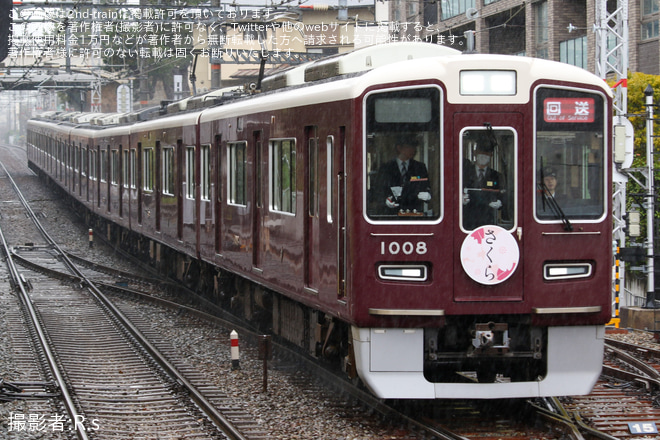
pixel 484 266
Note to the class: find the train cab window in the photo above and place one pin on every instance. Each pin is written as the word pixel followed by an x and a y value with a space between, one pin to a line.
pixel 237 172
pixel 168 170
pixel 403 155
pixel 488 158
pixel 283 175
pixel 570 155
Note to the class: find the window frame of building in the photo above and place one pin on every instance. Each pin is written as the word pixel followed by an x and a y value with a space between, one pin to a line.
pixel 574 52
pixel 452 8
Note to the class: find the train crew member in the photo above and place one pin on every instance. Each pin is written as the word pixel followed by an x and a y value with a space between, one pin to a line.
pixel 549 191
pixel 550 182
pixel 482 187
pixel 402 184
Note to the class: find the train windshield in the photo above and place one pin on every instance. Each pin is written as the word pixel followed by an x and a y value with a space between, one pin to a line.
pixel 570 155
pixel 403 155
pixel 489 162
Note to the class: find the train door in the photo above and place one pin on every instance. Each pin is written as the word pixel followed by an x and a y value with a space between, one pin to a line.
pixel 158 183
pixel 122 178
pixel 336 201
pixel 179 188
pixel 312 235
pixel 100 174
pixel 217 154
pixel 488 247
pixel 258 211
pixel 140 187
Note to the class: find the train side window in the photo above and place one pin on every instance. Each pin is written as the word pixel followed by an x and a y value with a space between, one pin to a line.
pixel 85 160
pixel 114 167
pixel 148 169
pixel 168 170
pixel 190 172
pixel 403 155
pixel 76 158
pixel 104 165
pixel 125 167
pixel 570 155
pixel 92 164
pixel 218 166
pixel 133 169
pixel 204 172
pixel 283 175
pixel 313 175
pixel 236 172
pixel 330 172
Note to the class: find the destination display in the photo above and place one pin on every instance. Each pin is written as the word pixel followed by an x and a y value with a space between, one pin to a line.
pixel 569 110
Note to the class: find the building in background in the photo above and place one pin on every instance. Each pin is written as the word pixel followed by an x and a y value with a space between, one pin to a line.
pixel 559 30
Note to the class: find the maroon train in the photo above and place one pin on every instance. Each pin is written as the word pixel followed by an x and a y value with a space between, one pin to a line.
pixel 286 206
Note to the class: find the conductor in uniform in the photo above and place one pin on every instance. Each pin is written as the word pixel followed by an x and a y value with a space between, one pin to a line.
pixel 402 184
pixel 482 186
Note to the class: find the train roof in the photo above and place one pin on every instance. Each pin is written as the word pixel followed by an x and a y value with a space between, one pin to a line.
pixel 348 75
pixel 360 60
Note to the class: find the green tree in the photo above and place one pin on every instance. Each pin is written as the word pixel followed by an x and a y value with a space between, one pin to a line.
pixel 637 83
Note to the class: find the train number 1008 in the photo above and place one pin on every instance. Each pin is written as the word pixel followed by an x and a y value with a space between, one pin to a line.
pixel 406 248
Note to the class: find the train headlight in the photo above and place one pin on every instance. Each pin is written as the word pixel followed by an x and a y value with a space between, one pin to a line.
pixel 402 272
pixel 562 271
pixel 488 82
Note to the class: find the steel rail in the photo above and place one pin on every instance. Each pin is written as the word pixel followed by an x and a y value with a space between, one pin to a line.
pixel 196 396
pixel 43 340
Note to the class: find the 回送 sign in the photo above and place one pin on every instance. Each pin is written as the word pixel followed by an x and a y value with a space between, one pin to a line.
pixel 569 110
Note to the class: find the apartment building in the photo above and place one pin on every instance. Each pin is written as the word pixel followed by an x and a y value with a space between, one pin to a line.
pixel 560 30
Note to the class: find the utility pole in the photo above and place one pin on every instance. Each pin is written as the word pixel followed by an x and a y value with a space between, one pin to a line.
pixel 650 202
pixel 612 56
pixel 215 35
pixel 95 64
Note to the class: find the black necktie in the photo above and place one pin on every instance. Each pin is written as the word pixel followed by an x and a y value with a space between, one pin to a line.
pixel 404 172
pixel 482 175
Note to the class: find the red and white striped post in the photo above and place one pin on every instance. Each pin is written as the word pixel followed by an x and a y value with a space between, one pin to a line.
pixel 91 237
pixel 235 359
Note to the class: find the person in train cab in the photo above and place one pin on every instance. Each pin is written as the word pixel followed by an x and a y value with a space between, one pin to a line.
pixel 482 189
pixel 547 192
pixel 550 182
pixel 403 182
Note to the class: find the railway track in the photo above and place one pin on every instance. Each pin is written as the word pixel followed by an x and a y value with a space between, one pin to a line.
pixel 624 403
pixel 112 381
